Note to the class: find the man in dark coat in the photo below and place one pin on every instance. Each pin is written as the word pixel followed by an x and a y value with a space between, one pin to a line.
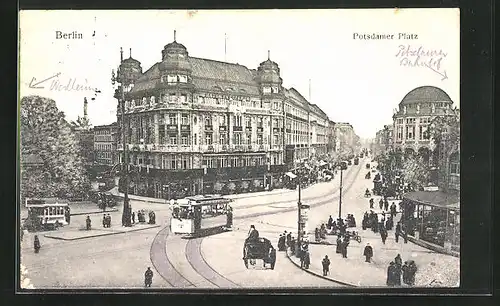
pixel 108 220
pixel 393 209
pixel 412 267
pixel 326 265
pixel 383 235
pixel 339 245
pixel 398 261
pixel 381 204
pixel 330 222
pixel 406 271
pixel 371 202
pixel 397 275
pixel 307 259
pixel 345 243
pixel 36 244
pixel 281 243
pixel 88 223
pixel 253 234
pixel 133 217
pixel 398 231
pixel 272 257
pixel 391 274
pixel 148 277
pixel 288 238
pixel 368 253
pixel 386 205
pixel 104 220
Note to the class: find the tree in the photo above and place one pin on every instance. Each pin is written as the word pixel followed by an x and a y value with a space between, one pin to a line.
pixel 415 171
pixel 45 132
pixel 444 131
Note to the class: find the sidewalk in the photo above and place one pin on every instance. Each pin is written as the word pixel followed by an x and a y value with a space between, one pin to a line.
pixel 77 234
pixel 434 269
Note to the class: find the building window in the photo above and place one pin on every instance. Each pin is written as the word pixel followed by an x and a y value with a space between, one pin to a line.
pixel 185 162
pixel 400 133
pixel 276 140
pixel 201 99
pixel 172 119
pixel 410 132
pixel 222 120
pixel 172 79
pixel 248 121
pixel 173 162
pixel 275 123
pixel 237 120
pixel 183 98
pixel 173 140
pixel 410 121
pixel 208 138
pixel 266 90
pixel 259 139
pixel 184 141
pixel 249 138
pixel 208 120
pixel 222 139
pixel 237 138
pixel 275 89
pixel 195 139
pixel 182 78
pixel 184 119
pixel 260 122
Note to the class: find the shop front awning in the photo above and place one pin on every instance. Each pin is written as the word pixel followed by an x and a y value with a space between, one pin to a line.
pixel 291 175
pixel 435 198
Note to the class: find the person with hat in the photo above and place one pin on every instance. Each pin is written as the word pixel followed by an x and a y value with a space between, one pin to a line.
pixel 326 265
pixel 253 234
pixel 368 252
pixel 148 277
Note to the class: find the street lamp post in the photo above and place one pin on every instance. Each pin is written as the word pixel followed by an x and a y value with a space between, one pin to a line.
pixel 299 204
pixel 343 166
pixel 126 214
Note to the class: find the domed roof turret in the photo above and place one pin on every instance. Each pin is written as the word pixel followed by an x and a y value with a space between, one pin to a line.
pixel 425 94
pixel 130 68
pixel 175 57
pixel 269 71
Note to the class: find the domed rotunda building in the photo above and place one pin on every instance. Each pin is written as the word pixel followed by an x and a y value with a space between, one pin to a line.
pixel 416 112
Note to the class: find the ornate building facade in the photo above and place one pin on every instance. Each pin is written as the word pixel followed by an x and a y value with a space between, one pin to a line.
pixel 197 125
pixel 105 139
pixel 414 115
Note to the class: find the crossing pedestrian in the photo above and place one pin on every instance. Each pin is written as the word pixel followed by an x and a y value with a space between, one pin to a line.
pixel 104 221
pixel 339 245
pixel 383 235
pixel 391 274
pixel 345 244
pixel 381 203
pixel 133 217
pixel 406 271
pixel 326 265
pixel 88 223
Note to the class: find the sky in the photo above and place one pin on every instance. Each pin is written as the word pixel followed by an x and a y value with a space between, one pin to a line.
pixel 360 81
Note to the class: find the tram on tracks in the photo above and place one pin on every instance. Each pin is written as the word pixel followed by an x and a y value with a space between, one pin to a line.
pixel 46 213
pixel 200 214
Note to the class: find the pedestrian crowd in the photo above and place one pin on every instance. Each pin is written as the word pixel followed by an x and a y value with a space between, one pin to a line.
pixel 397 269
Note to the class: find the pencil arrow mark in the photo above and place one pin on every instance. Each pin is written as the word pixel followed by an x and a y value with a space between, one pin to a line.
pixel 38 83
pixel 444 75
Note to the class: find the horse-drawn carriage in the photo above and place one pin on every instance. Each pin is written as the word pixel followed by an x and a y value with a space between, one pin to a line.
pixel 260 248
pixel 368 175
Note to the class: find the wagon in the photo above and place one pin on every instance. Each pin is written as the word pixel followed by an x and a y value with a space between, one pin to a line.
pixel 257 249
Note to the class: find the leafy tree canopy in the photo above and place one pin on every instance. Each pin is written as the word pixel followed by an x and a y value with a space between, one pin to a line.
pixel 45 132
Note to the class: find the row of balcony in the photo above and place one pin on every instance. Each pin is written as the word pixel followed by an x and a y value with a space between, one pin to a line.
pixel 213 148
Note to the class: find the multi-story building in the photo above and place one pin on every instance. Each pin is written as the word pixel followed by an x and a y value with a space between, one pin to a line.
pixel 331 137
pixel 346 139
pixel 383 140
pixel 105 137
pixel 198 125
pixel 416 112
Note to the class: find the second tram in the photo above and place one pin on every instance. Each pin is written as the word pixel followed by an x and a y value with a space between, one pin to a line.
pixel 201 213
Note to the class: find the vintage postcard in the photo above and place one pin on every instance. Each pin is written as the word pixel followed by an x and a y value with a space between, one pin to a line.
pixel 234 149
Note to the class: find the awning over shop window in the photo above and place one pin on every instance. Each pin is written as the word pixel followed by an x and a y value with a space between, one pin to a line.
pixel 291 175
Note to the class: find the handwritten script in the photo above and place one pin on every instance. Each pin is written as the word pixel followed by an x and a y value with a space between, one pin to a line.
pixel 410 56
pixel 71 84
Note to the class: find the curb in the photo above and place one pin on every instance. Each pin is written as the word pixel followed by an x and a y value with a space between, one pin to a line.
pixel 101 235
pixel 432 248
pixel 319 275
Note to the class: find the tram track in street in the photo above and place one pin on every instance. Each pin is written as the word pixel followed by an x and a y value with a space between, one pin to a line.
pixel 193 252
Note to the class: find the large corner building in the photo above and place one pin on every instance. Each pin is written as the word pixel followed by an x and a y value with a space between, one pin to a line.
pixel 197 125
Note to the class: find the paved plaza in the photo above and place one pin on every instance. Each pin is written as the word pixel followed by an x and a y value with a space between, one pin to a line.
pixel 117 257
